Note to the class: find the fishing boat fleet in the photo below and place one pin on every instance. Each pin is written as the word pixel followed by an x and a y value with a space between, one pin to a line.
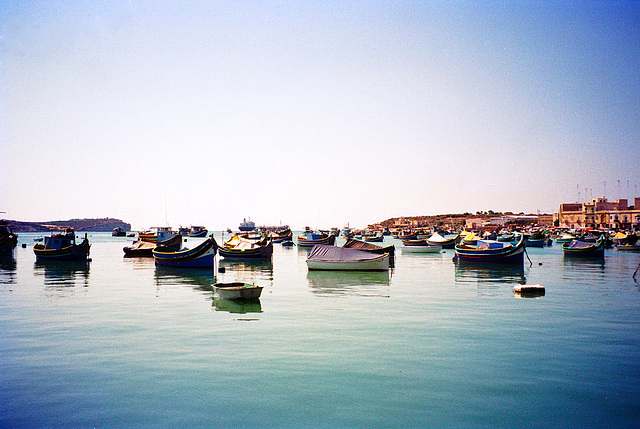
pixel 359 252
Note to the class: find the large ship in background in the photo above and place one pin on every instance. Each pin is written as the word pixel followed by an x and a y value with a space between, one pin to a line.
pixel 247 225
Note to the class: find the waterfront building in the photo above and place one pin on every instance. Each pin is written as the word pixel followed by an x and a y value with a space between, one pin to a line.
pixel 600 214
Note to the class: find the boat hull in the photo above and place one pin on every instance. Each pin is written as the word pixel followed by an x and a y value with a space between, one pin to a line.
pixel 421 249
pixel 238 291
pixel 202 256
pixel 379 264
pixel 591 250
pixel 75 252
pixel 505 255
pixel 262 252
pixel 304 242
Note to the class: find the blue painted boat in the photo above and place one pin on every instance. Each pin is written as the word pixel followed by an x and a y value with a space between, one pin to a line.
pixel 491 252
pixel 310 239
pixel 201 256
pixel 579 248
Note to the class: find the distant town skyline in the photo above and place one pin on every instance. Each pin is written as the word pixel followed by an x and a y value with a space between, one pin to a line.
pixel 317 114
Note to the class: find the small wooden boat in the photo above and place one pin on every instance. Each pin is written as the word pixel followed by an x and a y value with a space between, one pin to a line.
pixel 8 239
pixel 62 247
pixel 145 248
pixel 281 235
pixel 579 248
pixel 311 239
pixel 119 232
pixel 238 291
pixel 491 252
pixel 287 243
pixel 565 238
pixel 328 257
pixel 424 248
pixel 201 256
pixel 156 234
pixel 368 247
pixel 375 238
pixel 241 248
pixel 446 242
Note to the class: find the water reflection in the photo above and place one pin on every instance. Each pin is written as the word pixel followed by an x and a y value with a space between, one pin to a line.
pixel 7 269
pixel 139 262
pixel 340 283
pixel 199 279
pixel 61 275
pixel 253 272
pixel 240 307
pixel 489 277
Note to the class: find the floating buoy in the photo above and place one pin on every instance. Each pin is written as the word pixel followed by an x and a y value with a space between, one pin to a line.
pixel 529 290
pixel 221 269
pixel 24 245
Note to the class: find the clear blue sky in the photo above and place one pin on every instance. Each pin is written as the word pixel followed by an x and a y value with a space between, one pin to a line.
pixel 314 113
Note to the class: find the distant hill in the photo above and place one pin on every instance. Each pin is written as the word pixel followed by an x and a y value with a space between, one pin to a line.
pixel 96 225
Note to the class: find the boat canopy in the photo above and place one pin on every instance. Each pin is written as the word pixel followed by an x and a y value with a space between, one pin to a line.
pixel 620 236
pixel 578 244
pixel 323 252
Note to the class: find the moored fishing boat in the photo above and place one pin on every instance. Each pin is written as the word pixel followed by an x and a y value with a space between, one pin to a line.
pixel 420 248
pixel 197 231
pixel 241 248
pixel 145 248
pixel 119 232
pixel 201 256
pixel 374 238
pixel 368 247
pixel 446 242
pixel 488 251
pixel 238 291
pixel 62 247
pixel 310 239
pixel 8 239
pixel 565 238
pixel 579 248
pixel 327 257
pixel 281 235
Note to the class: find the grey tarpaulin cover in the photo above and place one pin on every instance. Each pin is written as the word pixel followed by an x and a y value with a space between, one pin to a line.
pixel 323 252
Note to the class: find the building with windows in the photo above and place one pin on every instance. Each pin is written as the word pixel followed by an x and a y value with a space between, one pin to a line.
pixel 600 214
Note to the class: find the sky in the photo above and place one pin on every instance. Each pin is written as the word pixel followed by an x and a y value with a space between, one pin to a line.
pixel 315 114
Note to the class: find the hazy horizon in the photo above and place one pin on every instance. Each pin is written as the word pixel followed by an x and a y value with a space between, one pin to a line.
pixel 317 114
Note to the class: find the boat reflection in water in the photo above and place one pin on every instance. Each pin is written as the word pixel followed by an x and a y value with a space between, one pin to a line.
pixel 340 283
pixel 239 307
pixel 198 279
pixel 258 272
pixel 61 275
pixel 7 269
pixel 489 278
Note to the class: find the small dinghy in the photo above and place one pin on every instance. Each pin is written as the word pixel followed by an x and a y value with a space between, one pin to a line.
pixel 238 291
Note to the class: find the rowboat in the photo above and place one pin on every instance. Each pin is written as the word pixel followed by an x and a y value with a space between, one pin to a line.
pixel 489 251
pixel 241 248
pixel 145 248
pixel 238 291
pixel 311 239
pixel 368 247
pixel 446 242
pixel 423 248
pixel 8 240
pixel 62 247
pixel 579 248
pixel 201 256
pixel 327 257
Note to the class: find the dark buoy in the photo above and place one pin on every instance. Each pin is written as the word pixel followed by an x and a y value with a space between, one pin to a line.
pixel 221 269
pixel 88 259
pixel 24 245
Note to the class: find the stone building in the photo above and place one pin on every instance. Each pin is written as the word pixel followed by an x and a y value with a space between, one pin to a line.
pixel 600 214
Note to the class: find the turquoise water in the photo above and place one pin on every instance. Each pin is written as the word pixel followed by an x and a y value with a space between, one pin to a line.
pixel 119 343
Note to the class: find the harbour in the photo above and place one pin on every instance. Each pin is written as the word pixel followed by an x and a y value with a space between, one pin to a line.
pixel 121 342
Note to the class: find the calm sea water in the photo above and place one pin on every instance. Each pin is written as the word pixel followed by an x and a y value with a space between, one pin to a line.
pixel 119 343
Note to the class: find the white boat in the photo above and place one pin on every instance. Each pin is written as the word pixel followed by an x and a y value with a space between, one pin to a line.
pixel 421 249
pixel 325 257
pixel 238 291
